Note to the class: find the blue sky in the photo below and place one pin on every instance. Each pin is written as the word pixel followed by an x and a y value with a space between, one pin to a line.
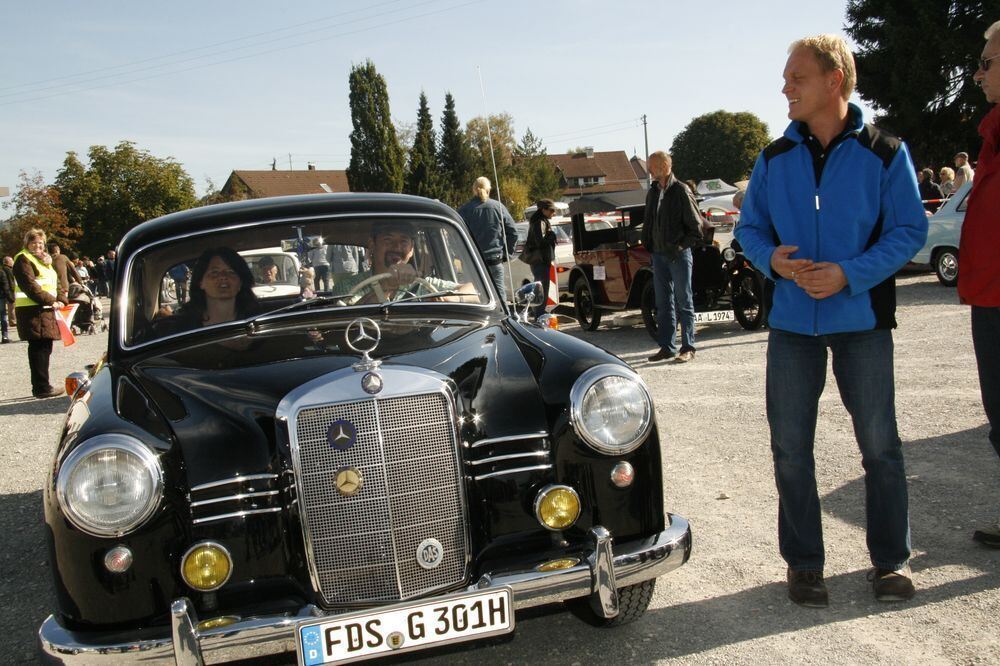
pixel 225 85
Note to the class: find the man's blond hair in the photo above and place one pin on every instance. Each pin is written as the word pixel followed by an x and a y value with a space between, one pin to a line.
pixel 992 30
pixel 832 53
pixel 481 188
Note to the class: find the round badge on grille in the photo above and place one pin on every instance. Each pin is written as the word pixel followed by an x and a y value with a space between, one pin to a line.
pixel 341 435
pixel 371 383
pixel 430 552
pixel 348 481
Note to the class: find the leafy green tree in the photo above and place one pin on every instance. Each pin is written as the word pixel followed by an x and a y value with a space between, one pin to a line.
pixel 36 205
pixel 376 156
pixel 422 170
pixel 534 169
pixel 454 157
pixel 719 145
pixel 915 61
pixel 501 130
pixel 118 190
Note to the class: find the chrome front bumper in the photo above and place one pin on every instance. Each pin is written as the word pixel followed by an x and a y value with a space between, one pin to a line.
pixel 607 568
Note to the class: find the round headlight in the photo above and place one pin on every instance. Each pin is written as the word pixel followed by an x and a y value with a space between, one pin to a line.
pixel 611 409
pixel 109 485
pixel 206 566
pixel 557 507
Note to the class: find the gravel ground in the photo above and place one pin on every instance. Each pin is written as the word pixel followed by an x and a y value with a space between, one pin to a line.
pixel 728 604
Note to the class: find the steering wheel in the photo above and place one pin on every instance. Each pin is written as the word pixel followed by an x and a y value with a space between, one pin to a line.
pixel 368 282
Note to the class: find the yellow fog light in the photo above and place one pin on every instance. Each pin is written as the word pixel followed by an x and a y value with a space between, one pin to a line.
pixel 557 507
pixel 217 622
pixel 206 566
pixel 556 565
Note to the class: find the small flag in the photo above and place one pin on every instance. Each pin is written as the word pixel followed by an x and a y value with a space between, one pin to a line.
pixel 64 318
pixel 552 298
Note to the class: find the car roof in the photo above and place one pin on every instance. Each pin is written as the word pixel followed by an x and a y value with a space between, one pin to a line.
pixel 250 211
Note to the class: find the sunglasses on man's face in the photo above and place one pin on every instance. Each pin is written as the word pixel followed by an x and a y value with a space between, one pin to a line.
pixel 984 63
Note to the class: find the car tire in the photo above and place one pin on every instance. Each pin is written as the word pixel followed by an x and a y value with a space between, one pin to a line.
pixel 587 315
pixel 946 266
pixel 748 299
pixel 647 302
pixel 633 600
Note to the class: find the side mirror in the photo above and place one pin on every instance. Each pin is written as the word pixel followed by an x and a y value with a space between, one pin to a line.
pixel 529 294
pixel 526 296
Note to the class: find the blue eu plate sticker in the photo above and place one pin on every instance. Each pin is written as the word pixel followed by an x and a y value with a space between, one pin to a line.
pixel 311 653
pixel 341 435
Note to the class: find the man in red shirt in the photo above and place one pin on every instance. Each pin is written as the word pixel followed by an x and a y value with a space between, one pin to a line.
pixel 979 277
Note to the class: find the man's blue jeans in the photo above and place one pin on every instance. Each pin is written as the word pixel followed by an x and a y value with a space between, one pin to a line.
pixel 672 284
pixel 796 374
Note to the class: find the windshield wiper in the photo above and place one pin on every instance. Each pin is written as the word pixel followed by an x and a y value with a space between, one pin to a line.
pixel 298 305
pixel 417 297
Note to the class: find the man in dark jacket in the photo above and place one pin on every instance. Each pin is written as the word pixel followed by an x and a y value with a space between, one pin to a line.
pixel 830 214
pixel 8 287
pixel 492 229
pixel 64 269
pixel 979 279
pixel 930 192
pixel 671 228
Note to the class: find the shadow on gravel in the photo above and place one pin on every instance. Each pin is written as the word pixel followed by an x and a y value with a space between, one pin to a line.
pixel 953 486
pixel 26 585
pixel 30 406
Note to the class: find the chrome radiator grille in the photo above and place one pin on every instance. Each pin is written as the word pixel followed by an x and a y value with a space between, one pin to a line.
pixel 363 547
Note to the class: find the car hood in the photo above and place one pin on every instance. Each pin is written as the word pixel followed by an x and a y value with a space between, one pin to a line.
pixel 218 399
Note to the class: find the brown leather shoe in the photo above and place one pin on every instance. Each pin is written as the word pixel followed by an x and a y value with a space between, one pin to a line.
pixel 685 356
pixel 892 585
pixel 51 393
pixel 662 355
pixel 806 588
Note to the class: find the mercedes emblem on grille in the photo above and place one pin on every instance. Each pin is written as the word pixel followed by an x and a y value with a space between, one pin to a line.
pixel 341 435
pixel 372 383
pixel 348 481
pixel 430 552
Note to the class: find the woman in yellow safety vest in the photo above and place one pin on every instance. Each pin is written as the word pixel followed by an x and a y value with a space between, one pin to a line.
pixel 35 303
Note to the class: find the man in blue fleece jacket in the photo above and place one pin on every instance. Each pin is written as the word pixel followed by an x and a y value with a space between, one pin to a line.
pixel 831 213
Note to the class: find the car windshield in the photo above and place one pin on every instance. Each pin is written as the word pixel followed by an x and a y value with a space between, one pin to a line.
pixel 219 277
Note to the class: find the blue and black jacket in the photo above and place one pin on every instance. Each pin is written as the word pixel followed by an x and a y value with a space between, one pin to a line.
pixel 854 203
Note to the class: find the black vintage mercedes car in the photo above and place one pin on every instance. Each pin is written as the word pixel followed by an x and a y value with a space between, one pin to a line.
pixel 381 458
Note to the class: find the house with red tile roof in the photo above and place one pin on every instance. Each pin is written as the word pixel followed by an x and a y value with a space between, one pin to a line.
pixel 271 183
pixel 590 172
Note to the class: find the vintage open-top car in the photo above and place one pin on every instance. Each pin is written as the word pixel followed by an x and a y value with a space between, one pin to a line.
pixel 614 272
pixel 396 463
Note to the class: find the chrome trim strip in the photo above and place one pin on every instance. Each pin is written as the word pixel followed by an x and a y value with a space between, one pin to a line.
pixel 233 498
pixel 238 514
pixel 633 562
pixel 509 438
pixel 234 479
pixel 126 273
pixel 512 471
pixel 512 456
